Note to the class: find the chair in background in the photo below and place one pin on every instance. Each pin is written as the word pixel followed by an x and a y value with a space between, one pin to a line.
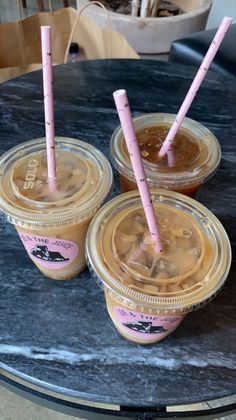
pixel 192 49
pixel 41 5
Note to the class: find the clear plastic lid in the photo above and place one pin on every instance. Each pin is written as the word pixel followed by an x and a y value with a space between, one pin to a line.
pixel 187 274
pixel 197 152
pixel 83 181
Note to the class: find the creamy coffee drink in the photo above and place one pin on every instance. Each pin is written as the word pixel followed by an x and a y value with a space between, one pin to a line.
pixel 149 294
pixel 195 149
pixel 52 222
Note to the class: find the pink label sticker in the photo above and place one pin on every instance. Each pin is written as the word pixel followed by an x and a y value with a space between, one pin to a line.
pixel 145 326
pixel 50 253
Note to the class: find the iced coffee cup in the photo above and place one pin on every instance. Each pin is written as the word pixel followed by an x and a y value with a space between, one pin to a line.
pixel 148 294
pixel 52 223
pixel 196 153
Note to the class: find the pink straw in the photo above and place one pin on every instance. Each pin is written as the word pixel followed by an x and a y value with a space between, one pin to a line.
pixel 123 109
pixel 46 43
pixel 219 36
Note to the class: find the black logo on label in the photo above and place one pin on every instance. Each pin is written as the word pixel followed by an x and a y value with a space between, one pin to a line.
pixel 42 253
pixel 145 327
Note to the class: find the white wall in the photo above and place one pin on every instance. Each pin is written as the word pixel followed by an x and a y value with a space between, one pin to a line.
pixel 221 8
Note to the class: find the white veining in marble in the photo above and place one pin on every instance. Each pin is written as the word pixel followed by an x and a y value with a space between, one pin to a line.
pixel 110 355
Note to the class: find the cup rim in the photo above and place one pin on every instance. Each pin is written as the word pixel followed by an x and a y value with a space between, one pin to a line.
pixel 158 179
pixel 61 216
pixel 137 300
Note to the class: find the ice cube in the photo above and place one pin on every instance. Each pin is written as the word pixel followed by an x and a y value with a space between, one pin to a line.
pixel 196 252
pixel 181 232
pixel 139 223
pixel 124 242
pixel 165 266
pixel 147 239
pixel 164 222
pixel 149 259
pixel 142 262
pixel 140 218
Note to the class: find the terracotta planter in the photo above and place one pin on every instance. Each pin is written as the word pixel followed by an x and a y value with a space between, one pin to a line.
pixel 154 35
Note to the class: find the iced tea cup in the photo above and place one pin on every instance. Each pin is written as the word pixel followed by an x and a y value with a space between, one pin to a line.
pixel 149 294
pixel 196 151
pixel 52 222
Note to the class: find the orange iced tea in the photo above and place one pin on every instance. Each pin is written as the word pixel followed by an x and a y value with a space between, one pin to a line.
pixel 196 154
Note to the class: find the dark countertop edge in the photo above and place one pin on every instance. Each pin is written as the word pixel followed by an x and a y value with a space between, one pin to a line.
pixel 73 408
pixel 19 381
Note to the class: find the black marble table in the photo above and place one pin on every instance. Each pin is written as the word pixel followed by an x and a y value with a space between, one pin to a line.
pixel 57 343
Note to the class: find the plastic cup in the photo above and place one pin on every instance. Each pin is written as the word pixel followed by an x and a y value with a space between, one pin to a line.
pixel 53 224
pixel 196 151
pixel 149 294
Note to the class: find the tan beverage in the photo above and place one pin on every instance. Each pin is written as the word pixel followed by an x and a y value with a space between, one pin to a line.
pixel 52 222
pixel 196 153
pixel 149 294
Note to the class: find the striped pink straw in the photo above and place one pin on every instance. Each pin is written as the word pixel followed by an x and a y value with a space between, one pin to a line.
pixel 46 43
pixel 219 36
pixel 123 109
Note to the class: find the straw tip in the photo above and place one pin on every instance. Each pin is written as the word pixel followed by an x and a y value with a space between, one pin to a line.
pixel 227 20
pixel 119 92
pixel 45 28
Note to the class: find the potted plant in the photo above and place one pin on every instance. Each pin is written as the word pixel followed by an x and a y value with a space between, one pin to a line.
pixel 147 30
